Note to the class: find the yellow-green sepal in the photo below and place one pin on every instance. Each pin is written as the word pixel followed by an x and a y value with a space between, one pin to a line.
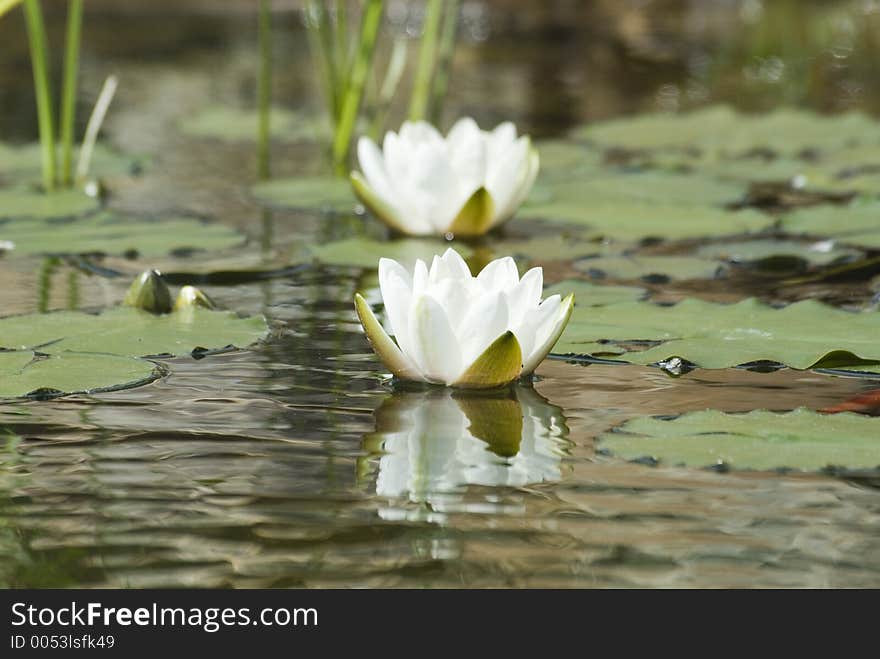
pixel 374 203
pixel 149 292
pixel 499 364
pixel 383 345
pixel 190 297
pixel 475 217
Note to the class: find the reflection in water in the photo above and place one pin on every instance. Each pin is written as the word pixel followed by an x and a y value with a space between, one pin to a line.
pixel 434 442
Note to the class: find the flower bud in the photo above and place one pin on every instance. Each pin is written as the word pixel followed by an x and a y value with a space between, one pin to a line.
pixel 149 292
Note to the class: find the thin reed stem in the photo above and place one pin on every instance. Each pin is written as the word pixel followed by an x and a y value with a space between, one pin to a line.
pixel 444 61
pixel 39 48
pixel 68 90
pixel 264 91
pixel 370 23
pixel 418 105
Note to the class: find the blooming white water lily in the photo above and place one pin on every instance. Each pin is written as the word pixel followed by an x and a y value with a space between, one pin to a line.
pixel 463 331
pixel 467 183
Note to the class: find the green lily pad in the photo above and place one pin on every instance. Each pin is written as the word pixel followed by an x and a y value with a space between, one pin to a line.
pixel 24 373
pixel 24 202
pixel 237 125
pixel 750 251
pixel 314 193
pixel 760 440
pixel 720 129
pixel 365 253
pixel 130 332
pixel 611 188
pixel 546 248
pixel 856 224
pixel 566 159
pixel 637 220
pixel 647 267
pixel 593 295
pixel 108 233
pixel 24 163
pixel 803 335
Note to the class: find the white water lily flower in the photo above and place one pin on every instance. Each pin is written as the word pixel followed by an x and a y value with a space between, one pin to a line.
pixel 467 183
pixel 463 331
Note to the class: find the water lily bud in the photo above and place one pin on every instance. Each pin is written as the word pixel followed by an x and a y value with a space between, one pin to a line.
pixel 190 297
pixel 465 184
pixel 149 292
pixel 454 329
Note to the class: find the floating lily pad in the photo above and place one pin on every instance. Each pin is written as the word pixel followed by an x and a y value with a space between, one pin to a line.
pixel 235 124
pixel 130 332
pixel 760 440
pixel 24 373
pixel 555 247
pixel 751 251
pixel 567 158
pixel 592 295
pixel 364 253
pixel 637 220
pixel 654 187
pixel 720 129
pixel 24 163
pixel 649 267
pixel 316 193
pixel 803 335
pixel 856 224
pixel 24 202
pixel 109 233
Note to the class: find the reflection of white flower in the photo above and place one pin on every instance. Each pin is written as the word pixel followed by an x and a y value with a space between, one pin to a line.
pixel 436 442
pixel 458 330
pixel 421 183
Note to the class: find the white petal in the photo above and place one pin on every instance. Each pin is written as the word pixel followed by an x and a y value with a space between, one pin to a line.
pixel 372 164
pixel 526 296
pixel 522 188
pixel 506 173
pixel 484 322
pixel 455 266
pixel 547 331
pixel 399 156
pixel 468 155
pixel 435 347
pixel 395 283
pixel 435 185
pixel 500 139
pixel 499 275
pixel 419 132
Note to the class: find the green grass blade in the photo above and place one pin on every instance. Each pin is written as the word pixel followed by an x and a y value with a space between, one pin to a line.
pixel 444 61
pixel 354 92
pixel 264 91
pixel 39 48
pixel 418 106
pixel 68 91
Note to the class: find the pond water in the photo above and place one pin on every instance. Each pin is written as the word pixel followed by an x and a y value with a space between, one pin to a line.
pixel 296 463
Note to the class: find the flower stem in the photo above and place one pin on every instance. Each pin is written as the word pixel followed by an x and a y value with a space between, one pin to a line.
pixel 418 105
pixel 39 48
pixel 264 92
pixel 444 60
pixel 321 40
pixel 68 92
pixel 355 88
